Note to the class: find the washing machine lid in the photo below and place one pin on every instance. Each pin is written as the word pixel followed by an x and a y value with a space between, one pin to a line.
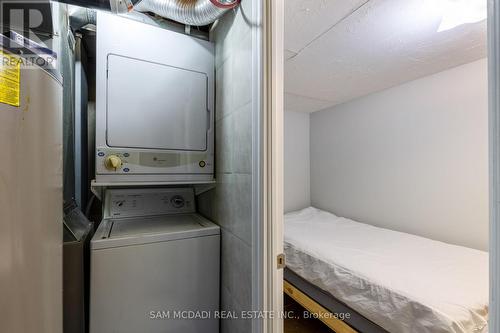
pixel 151 229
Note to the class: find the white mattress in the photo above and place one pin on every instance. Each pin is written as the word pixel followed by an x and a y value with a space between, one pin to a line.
pixel 403 283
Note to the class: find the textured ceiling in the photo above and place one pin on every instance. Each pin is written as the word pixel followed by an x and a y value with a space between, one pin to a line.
pixel 338 50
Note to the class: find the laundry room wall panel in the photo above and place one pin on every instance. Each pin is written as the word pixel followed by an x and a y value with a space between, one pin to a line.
pixel 234 141
pixel 230 324
pixel 230 203
pixel 412 158
pixel 223 97
pixel 242 195
pixel 231 30
pixel 224 138
pixel 227 205
pixel 242 81
pixel 229 304
pixel 235 272
pixel 242 154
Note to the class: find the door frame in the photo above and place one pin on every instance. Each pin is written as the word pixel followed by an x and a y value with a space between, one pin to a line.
pixel 272 158
pixel 273 123
pixel 494 160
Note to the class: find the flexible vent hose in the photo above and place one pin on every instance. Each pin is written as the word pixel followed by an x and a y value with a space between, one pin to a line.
pixel 80 17
pixel 190 12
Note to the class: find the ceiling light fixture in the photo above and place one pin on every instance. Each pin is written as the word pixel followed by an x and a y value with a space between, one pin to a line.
pixel 458 12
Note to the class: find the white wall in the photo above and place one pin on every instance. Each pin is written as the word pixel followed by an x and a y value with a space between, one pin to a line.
pixel 297 189
pixel 412 158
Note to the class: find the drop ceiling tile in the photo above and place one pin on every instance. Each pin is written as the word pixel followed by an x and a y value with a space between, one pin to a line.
pixel 305 20
pixel 300 103
pixel 289 54
pixel 384 43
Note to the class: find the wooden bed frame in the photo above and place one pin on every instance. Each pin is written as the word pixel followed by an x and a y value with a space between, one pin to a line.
pixel 325 306
pixel 310 305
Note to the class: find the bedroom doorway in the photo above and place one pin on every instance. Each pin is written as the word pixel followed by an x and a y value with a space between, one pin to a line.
pixel 345 84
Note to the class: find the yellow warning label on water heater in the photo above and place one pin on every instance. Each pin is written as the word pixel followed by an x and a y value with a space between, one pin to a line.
pixel 10 79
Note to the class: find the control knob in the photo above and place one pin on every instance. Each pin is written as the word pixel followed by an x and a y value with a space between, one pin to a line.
pixel 113 162
pixel 177 201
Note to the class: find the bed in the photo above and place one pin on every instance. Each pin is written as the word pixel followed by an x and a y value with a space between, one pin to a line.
pixel 390 281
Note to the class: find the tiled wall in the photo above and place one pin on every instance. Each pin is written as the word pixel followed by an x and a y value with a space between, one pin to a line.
pixel 230 203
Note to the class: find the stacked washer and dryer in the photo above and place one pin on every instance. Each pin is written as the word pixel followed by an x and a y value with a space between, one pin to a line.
pixel 154 261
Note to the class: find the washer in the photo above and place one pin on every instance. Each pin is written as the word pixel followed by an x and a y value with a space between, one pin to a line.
pixel 154 264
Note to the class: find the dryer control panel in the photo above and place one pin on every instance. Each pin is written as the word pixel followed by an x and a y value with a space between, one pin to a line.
pixel 134 162
pixel 147 202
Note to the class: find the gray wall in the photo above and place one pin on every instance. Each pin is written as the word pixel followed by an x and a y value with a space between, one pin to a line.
pixel 297 180
pixel 230 204
pixel 412 158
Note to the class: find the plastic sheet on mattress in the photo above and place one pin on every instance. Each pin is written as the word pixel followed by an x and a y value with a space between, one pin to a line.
pixel 403 283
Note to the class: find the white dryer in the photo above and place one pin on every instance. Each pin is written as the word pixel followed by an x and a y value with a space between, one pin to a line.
pixel 154 264
pixel 154 104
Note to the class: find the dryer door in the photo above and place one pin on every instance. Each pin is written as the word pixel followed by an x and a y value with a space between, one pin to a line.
pixel 155 106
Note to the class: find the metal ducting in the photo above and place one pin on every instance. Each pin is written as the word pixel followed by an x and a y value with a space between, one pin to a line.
pixel 80 17
pixel 190 12
pixel 115 6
